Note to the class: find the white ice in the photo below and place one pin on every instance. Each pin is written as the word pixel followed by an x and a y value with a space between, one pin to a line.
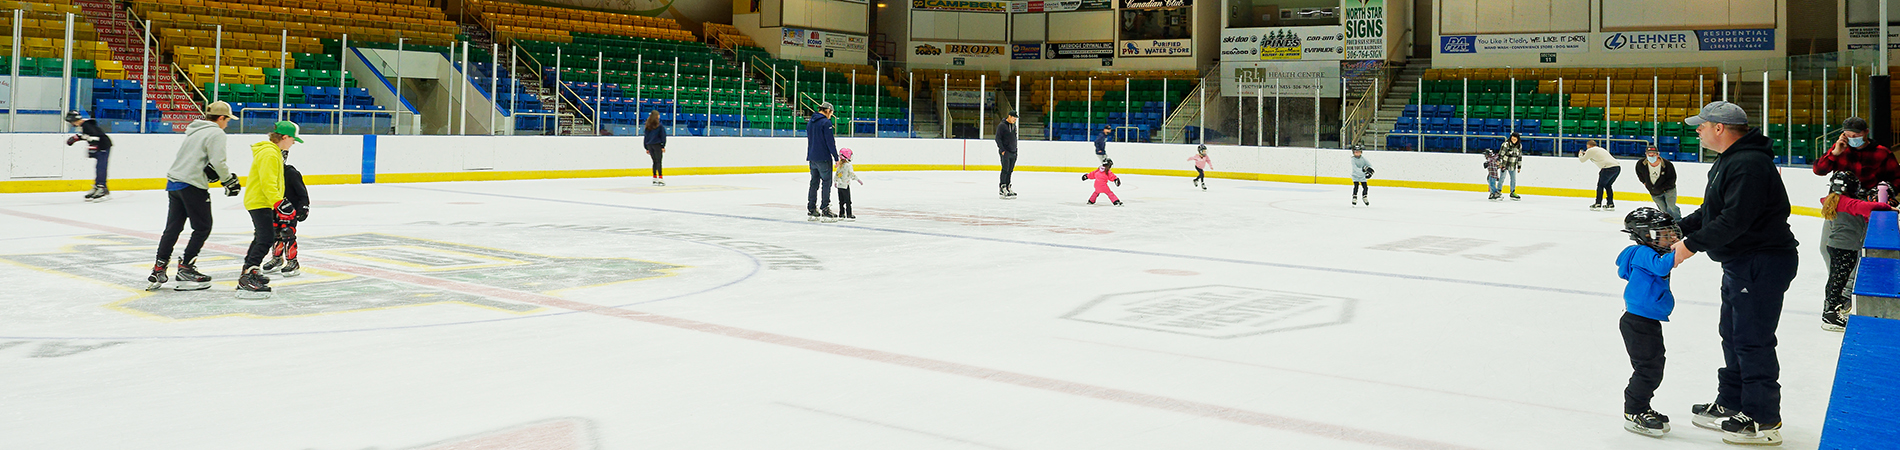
pixel 712 315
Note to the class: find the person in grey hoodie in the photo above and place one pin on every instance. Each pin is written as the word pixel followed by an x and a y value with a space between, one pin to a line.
pixel 187 184
pixel 1361 172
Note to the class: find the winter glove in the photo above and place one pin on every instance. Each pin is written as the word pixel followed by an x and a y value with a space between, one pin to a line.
pixel 1085 177
pixel 1118 182
pixel 74 138
pixel 303 214
pixel 231 186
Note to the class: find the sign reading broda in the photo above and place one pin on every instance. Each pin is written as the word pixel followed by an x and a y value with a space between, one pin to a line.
pixel 1216 311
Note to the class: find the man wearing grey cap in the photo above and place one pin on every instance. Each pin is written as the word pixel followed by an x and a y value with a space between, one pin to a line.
pixel 1006 147
pixel 1743 224
pixel 821 149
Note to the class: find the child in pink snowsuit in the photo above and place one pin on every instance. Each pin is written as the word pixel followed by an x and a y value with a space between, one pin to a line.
pixel 1102 176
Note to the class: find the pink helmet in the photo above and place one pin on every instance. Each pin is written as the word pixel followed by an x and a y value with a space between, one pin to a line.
pixel 844 153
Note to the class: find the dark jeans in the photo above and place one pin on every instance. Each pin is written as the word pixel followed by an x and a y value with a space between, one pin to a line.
pixel 1009 166
pixel 1358 186
pixel 1605 179
pixel 656 153
pixel 99 166
pixel 1840 270
pixel 264 235
pixel 844 201
pixel 191 204
pixel 1753 287
pixel 1200 175
pixel 820 186
pixel 1643 338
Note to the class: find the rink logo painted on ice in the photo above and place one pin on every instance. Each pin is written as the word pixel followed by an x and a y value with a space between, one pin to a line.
pixel 1447 246
pixel 1219 312
pixel 56 349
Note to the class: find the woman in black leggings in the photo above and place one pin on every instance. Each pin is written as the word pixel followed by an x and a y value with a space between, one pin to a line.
pixel 656 145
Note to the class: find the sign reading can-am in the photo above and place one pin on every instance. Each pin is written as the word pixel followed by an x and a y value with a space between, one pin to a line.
pixel 1323 43
pixel 1156 48
pixel 1156 4
pixel 1081 50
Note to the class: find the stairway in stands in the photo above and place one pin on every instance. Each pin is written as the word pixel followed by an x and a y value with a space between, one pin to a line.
pixel 111 21
pixel 530 83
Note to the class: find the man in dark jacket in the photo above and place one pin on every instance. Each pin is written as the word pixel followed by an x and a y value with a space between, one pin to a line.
pixel 821 149
pixel 1006 146
pixel 98 147
pixel 1659 176
pixel 1101 144
pixel 1743 224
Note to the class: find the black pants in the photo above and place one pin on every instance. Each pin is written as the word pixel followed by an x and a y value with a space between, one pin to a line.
pixel 264 235
pixel 1009 167
pixel 99 158
pixel 1606 178
pixel 1643 338
pixel 820 185
pixel 657 153
pixel 844 201
pixel 1200 175
pixel 191 204
pixel 1840 270
pixel 1753 287
pixel 1358 186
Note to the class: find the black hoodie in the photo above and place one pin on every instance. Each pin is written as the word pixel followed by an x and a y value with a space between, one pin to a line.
pixel 1745 208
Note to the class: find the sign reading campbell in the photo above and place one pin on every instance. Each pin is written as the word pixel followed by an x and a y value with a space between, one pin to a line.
pixel 1324 43
pixel 962 5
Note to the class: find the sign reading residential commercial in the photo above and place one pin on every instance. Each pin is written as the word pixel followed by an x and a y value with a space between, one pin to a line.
pixel 1365 29
pixel 1322 43
pixel 1158 47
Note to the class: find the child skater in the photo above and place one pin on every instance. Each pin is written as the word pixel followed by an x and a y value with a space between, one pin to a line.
pixel 1647 303
pixel 98 147
pixel 1843 232
pixel 1361 173
pixel 1491 166
pixel 265 201
pixel 845 177
pixel 295 208
pixel 1102 176
pixel 1201 164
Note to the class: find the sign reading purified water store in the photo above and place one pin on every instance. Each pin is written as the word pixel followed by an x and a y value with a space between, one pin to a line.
pixel 1280 79
pixel 1158 47
pixel 1323 43
pixel 1365 29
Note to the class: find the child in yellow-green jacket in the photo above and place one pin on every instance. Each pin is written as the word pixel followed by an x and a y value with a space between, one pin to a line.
pixel 265 196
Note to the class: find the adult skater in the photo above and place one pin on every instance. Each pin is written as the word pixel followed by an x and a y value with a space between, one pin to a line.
pixel 1101 144
pixel 655 145
pixel 1865 164
pixel 1659 177
pixel 200 160
pixel 98 147
pixel 1607 171
pixel 1743 224
pixel 821 149
pixel 1006 147
pixel 1510 161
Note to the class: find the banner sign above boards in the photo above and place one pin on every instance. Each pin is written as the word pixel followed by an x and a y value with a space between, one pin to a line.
pixel 1365 29
pixel 1516 43
pixel 1322 43
pixel 1864 37
pixel 961 5
pixel 1081 50
pixel 1025 51
pixel 1156 4
pixel 1280 79
pixel 1035 6
pixel 1158 47
pixel 1687 41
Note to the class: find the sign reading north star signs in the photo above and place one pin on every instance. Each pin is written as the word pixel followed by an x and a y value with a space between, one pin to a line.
pixel 1365 29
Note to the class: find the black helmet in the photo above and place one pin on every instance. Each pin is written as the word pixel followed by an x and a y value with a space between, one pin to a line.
pixel 1108 162
pixel 1647 226
pixel 1200 148
pixel 73 116
pixel 1844 183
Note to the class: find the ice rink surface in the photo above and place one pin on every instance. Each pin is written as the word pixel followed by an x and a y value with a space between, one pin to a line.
pixel 709 314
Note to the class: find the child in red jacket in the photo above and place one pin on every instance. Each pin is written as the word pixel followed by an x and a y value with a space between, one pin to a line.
pixel 1102 176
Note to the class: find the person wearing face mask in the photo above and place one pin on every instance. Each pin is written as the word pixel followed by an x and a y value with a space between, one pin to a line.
pixel 1659 176
pixel 1856 153
pixel 1858 165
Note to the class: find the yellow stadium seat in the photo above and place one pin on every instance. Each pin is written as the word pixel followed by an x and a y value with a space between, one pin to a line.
pixel 201 74
pixel 230 74
pixel 110 69
pixel 252 75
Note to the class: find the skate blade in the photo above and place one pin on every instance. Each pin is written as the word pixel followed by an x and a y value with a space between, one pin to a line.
pixel 1766 437
pixel 99 199
pixel 1651 432
pixel 154 286
pixel 1833 328
pixel 291 273
pixel 191 286
pixel 253 295
pixel 1709 422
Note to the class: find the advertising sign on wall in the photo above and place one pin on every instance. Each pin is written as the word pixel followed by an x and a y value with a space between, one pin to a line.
pixel 1025 51
pixel 1516 43
pixel 1864 37
pixel 1687 41
pixel 1158 47
pixel 1156 4
pixel 1280 79
pixel 846 42
pixel 794 36
pixel 1365 29
pixel 953 52
pixel 961 5
pixel 1324 43
pixel 1081 50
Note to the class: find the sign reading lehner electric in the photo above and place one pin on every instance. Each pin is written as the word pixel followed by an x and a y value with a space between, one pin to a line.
pixel 1158 47
pixel 1156 4
pixel 1323 43
pixel 1687 41
pixel 961 5
pixel 1516 43
pixel 1365 29
pixel 1081 50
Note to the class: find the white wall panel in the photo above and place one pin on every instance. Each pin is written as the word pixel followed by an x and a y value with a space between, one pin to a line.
pixel 1082 26
pixel 1029 27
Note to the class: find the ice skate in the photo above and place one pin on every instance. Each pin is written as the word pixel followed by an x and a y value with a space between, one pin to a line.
pixel 291 268
pixel 1355 200
pixel 1596 207
pixel 252 285
pixel 98 194
pixel 157 279
pixel 1091 202
pixel 1742 430
pixel 811 215
pixel 1367 199
pixel 1710 415
pixel 1006 193
pixel 1835 317
pixel 276 261
pixel 825 216
pixel 1118 203
pixel 1609 206
pixel 1648 423
pixel 659 182
pixel 189 279
pixel 1514 197
pixel 849 217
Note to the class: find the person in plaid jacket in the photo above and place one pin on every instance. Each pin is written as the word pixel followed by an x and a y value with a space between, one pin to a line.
pixel 1857 166
pixel 1857 154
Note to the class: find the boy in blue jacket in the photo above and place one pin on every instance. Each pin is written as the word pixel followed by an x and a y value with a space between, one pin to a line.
pixel 1647 303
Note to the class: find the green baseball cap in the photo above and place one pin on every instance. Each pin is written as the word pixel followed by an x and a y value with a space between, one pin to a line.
pixel 288 128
